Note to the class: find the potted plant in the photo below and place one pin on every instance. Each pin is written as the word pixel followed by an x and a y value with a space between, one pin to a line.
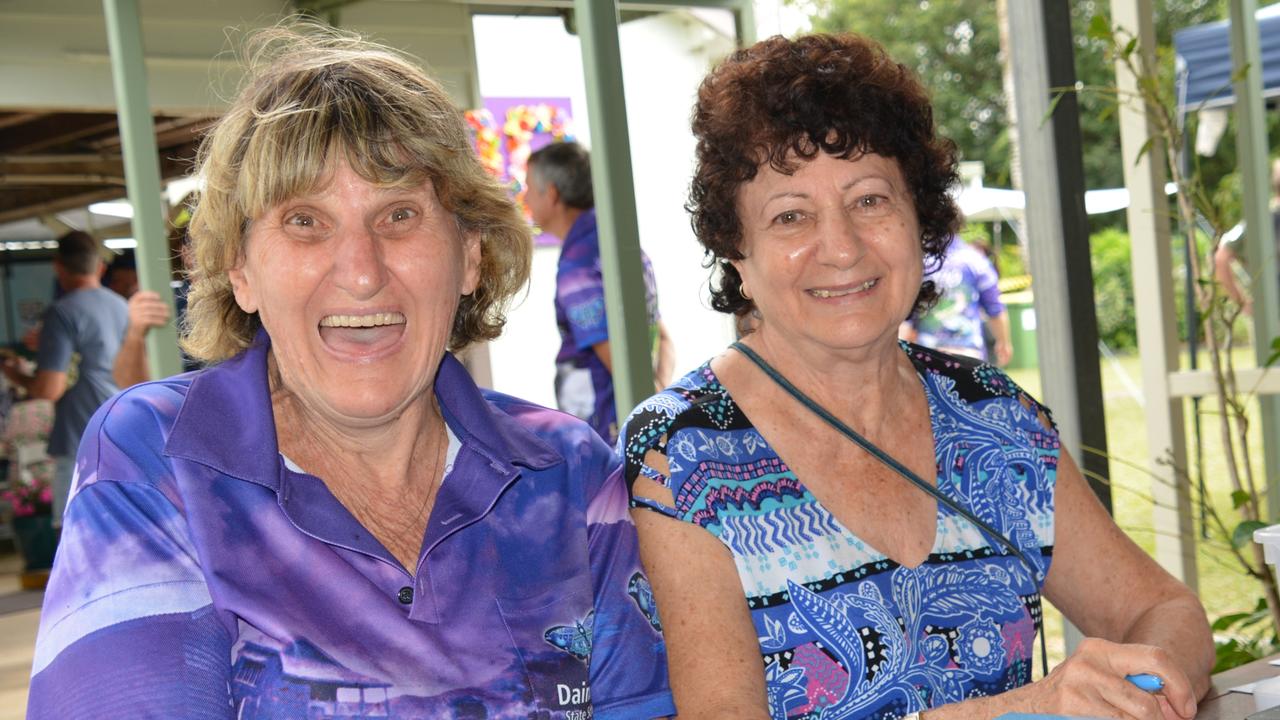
pixel 31 496
pixel 29 487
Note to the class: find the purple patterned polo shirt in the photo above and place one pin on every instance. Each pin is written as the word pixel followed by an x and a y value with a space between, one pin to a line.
pixel 968 289
pixel 584 386
pixel 199 576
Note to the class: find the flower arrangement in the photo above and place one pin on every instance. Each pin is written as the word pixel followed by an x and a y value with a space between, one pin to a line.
pixel 30 482
pixel 30 492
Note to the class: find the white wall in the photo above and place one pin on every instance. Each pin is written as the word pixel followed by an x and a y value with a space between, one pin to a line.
pixel 784 17
pixel 664 58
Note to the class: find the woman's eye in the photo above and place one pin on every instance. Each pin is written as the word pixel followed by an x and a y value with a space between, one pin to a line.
pixel 401 214
pixel 787 218
pixel 872 202
pixel 301 220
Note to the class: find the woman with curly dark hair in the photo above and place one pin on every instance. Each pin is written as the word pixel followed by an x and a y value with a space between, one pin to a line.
pixel 874 520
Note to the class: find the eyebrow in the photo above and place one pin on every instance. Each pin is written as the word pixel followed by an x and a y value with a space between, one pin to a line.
pixel 873 176
pixel 843 188
pixel 786 194
pixel 327 181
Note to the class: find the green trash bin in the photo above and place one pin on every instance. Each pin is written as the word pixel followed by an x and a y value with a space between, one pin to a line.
pixel 1022 329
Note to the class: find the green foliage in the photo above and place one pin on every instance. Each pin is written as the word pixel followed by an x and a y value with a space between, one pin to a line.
pixel 1012 260
pixel 1243 637
pixel 1113 289
pixel 1275 352
pixel 1009 259
pixel 976 234
pixel 954 45
pixel 1239 498
pixel 1243 534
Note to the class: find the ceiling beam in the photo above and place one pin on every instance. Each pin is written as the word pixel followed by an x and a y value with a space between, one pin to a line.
pixel 9 180
pixel 21 205
pixel 18 118
pixel 169 131
pixel 56 129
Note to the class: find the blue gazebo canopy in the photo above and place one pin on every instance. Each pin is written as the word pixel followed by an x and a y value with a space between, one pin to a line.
pixel 1204 61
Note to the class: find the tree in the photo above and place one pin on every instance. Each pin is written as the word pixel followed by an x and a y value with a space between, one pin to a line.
pixel 954 46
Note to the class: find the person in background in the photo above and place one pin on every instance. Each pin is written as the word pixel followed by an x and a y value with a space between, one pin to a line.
pixel 81 335
pixel 333 520
pixel 801 576
pixel 992 256
pixel 562 203
pixel 146 311
pixel 1231 249
pixel 968 294
pixel 121 276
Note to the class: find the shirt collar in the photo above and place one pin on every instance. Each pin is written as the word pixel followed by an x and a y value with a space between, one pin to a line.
pixel 226 421
pixel 583 229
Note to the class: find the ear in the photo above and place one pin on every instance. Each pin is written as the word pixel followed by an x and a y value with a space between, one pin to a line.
pixel 737 265
pixel 242 287
pixel 472 254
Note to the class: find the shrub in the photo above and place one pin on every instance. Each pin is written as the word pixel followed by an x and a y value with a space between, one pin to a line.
pixel 1113 289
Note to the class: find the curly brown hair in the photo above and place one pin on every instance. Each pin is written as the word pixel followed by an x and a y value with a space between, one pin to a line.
pixel 313 96
pixel 782 100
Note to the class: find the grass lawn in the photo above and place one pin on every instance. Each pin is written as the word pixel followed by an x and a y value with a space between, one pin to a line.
pixel 1223 586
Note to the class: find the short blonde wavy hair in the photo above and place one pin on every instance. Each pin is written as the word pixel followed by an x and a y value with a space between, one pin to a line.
pixel 312 93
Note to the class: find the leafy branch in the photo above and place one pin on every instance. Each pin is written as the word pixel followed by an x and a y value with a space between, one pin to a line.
pixel 1218 314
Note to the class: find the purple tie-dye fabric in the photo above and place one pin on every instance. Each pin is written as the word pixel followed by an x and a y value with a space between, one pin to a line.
pixel 580 317
pixel 199 577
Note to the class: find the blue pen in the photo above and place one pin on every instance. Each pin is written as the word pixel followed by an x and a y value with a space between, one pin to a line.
pixel 1146 681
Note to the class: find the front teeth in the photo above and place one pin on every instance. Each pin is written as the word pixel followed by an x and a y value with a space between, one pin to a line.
pixel 359 321
pixel 840 293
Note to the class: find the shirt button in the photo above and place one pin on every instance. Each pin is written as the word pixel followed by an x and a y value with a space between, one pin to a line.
pixel 406 595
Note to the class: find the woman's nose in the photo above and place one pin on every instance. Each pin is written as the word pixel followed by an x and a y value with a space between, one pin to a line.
pixel 840 241
pixel 359 265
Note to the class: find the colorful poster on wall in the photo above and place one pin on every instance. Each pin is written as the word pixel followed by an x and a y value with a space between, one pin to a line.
pixel 507 130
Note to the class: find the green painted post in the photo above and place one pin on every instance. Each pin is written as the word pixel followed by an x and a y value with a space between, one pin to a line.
pixel 1260 249
pixel 744 17
pixel 615 204
pixel 142 171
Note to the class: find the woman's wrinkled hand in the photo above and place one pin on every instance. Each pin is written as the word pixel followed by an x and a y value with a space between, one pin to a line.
pixel 1092 683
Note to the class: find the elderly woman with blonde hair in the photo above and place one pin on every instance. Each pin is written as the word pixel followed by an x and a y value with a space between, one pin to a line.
pixel 333 520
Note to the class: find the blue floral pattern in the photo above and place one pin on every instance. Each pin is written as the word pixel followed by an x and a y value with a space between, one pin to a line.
pixel 844 631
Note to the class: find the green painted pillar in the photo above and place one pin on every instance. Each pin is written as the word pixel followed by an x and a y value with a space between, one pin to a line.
pixel 744 18
pixel 142 172
pixel 615 204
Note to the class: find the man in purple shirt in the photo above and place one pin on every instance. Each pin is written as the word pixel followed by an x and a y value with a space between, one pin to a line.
pixel 561 200
pixel 968 292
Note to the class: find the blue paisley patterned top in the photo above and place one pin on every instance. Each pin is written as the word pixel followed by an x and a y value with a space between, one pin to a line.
pixel 844 631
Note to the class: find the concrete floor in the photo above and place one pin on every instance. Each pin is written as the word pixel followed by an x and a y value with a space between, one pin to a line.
pixel 17 641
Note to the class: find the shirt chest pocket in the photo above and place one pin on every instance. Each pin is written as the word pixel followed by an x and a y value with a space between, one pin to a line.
pixel 552 632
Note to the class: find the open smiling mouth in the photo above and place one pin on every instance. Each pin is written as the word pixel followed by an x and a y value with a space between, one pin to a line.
pixel 361 334
pixel 821 293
